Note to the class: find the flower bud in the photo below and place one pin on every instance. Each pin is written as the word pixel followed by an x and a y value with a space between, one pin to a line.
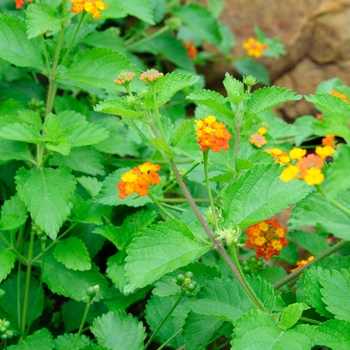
pixel 249 80
pixel 173 23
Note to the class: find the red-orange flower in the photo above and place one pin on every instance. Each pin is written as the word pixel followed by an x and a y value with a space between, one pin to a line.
pixel 138 179
pixel 254 48
pixel 20 3
pixel 302 263
pixel 267 238
pixel 91 6
pixel 328 140
pixel 338 94
pixel 212 134
pixel 191 49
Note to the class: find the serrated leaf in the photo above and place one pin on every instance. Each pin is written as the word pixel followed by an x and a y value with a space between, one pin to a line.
pixel 256 330
pixel 213 100
pixel 15 46
pixel 315 210
pixel 66 341
pixel 113 233
pixel 268 97
pixel 52 126
pixel 310 241
pixel 170 84
pixel 40 18
pixel 330 104
pixel 258 194
pixel 59 280
pixel 91 185
pixel 88 212
pixel 222 298
pixel 41 339
pixel 7 260
pixel 97 67
pixel 13 214
pixel 201 21
pixel 72 253
pixel 118 106
pixel 83 159
pixel 14 150
pixel 46 194
pixel 21 132
pixel 160 249
pixel 336 288
pixel 234 89
pixel 130 334
pixel 334 334
pixel 86 134
pixel 291 314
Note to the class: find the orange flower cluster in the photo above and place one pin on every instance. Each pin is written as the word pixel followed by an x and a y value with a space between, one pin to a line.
pixel 212 134
pixel 267 238
pixel 302 263
pixel 20 3
pixel 191 49
pixel 254 48
pixel 91 6
pixel 138 179
pixel 258 139
pixel 338 94
pixel 124 78
pixel 279 156
pixel 150 76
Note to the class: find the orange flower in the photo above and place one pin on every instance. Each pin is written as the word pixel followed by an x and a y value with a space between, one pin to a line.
pixel 302 263
pixel 138 179
pixel 91 6
pixel 267 238
pixel 124 78
pixel 258 140
pixel 279 156
pixel 338 94
pixel 212 134
pixel 319 116
pixel 328 140
pixel 254 48
pixel 150 76
pixel 20 3
pixel 191 49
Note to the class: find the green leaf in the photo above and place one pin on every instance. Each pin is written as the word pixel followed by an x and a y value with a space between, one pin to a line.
pixel 234 89
pixel 215 7
pixel 130 334
pixel 334 334
pixel 41 339
pixel 185 141
pixel 222 298
pixel 247 66
pixel 66 341
pixel 330 104
pixel 315 210
pixel 170 84
pixel 91 185
pixel 86 134
pixel 97 67
pixel 269 97
pixel 258 194
pixel 46 194
pixel 310 241
pixel 52 126
pixel 201 21
pixel 72 253
pixel 41 18
pixel 118 106
pixel 228 40
pixel 87 211
pixel 83 159
pixel 14 150
pixel 15 46
pixel 13 214
pixel 256 330
pixel 335 291
pixel 160 249
pixel 291 314
pixel 337 173
pixel 20 132
pixel 141 9
pixel 59 280
pixel 199 329
pixel 7 260
pixel 213 100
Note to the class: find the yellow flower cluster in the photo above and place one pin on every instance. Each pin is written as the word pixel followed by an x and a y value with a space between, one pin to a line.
pixel 91 6
pixel 254 48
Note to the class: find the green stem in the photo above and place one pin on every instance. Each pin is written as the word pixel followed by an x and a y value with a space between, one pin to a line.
pixel 162 209
pixel 298 272
pixel 13 249
pixel 45 53
pixel 333 201
pixel 27 286
pixel 238 130
pixel 205 162
pixel 156 110
pixel 19 293
pixel 143 40
pixel 170 339
pixel 174 208
pixel 184 200
pixel 165 318
pixel 217 245
pixel 309 320
pixel 88 304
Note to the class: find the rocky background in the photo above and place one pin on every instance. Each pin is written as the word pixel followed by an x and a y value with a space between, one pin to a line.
pixel 316 35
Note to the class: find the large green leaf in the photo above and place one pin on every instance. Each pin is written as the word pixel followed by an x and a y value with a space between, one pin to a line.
pixel 41 339
pixel 334 334
pixel 41 18
pixel 47 194
pixel 330 104
pixel 73 284
pixel 20 132
pixel 160 249
pixel 268 97
pixel 14 150
pixel 256 330
pixel 141 9
pixel 118 330
pixel 15 46
pixel 258 194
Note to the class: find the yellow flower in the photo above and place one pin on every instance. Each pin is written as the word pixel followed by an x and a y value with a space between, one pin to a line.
pixel 324 152
pixel 262 131
pixel 91 6
pixel 254 48
pixel 313 176
pixel 289 173
pixel 297 153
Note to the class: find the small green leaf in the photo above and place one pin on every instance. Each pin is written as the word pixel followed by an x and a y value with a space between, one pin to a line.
pixel 141 9
pixel 130 334
pixel 160 249
pixel 118 106
pixel 310 241
pixel 291 314
pixel 66 341
pixel 72 253
pixel 268 97
pixel 228 40
pixel 247 66
pixel 15 46
pixel 41 339
pixel 41 18
pixel 91 185
pixel 88 212
pixel 258 194
pixel 7 260
pixel 234 89
pixel 14 150
pixel 334 334
pixel 52 127
pixel 46 194
pixel 13 214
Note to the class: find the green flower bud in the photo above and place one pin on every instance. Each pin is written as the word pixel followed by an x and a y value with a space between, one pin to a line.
pixel 173 23
pixel 92 291
pixel 249 80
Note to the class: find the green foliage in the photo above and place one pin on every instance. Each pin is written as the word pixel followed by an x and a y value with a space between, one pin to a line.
pixel 41 339
pixel 334 334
